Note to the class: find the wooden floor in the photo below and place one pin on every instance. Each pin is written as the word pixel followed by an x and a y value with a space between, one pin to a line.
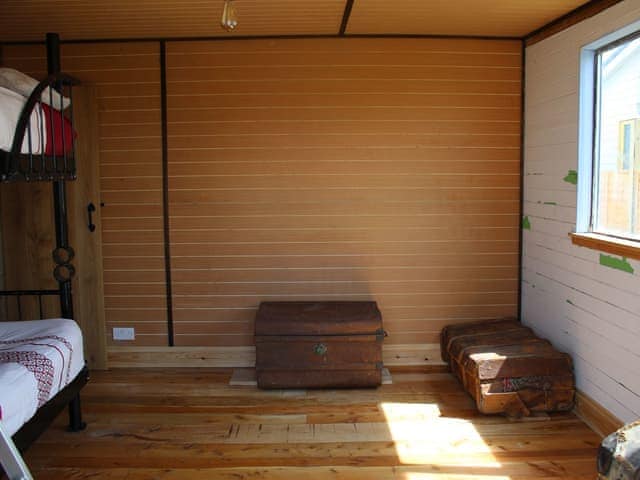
pixel 190 424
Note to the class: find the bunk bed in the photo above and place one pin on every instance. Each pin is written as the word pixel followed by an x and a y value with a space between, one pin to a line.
pixel 37 144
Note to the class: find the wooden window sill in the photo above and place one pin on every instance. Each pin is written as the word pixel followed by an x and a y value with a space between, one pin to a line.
pixel 605 243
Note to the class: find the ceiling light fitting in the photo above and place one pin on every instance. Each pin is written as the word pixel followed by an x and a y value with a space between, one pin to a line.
pixel 229 19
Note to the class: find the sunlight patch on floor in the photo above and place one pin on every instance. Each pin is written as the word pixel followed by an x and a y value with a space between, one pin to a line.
pixel 449 476
pixel 423 437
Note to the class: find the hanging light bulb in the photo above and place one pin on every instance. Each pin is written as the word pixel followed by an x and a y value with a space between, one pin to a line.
pixel 229 18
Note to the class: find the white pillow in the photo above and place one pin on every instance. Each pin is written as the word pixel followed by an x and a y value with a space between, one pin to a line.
pixel 12 104
pixel 24 85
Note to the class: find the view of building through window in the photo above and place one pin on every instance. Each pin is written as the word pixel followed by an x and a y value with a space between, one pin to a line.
pixel 616 208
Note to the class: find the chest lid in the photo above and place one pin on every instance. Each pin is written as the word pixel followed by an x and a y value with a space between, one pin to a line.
pixel 318 318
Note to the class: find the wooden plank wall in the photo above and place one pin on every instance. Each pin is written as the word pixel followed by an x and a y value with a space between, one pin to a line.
pixel 127 77
pixel 383 169
pixel 335 169
pixel 585 308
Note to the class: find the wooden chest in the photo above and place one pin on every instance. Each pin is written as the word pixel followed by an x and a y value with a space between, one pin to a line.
pixel 318 344
pixel 507 369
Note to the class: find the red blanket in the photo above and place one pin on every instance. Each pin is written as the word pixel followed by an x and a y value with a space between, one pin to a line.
pixel 57 143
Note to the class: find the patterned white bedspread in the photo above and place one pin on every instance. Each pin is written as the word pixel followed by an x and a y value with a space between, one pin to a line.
pixel 37 359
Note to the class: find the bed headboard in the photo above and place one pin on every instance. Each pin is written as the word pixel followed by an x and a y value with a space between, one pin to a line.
pixel 18 305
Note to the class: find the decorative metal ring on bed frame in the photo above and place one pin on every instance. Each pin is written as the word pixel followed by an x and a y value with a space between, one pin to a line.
pixel 64 272
pixel 63 255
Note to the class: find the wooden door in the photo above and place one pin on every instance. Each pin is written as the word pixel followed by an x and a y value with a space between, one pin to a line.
pixel 88 285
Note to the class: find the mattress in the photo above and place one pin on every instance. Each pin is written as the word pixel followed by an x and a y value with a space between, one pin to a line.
pixel 37 359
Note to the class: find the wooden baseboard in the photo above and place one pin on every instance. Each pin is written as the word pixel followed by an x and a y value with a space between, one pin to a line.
pixel 213 357
pixel 237 357
pixel 599 419
pixel 411 355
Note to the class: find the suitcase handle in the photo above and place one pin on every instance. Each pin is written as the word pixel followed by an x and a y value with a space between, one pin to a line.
pixel 320 349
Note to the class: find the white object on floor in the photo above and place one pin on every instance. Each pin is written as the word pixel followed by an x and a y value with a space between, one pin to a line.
pixel 247 377
pixel 11 460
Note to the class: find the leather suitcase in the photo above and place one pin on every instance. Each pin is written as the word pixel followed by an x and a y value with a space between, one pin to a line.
pixel 461 346
pixel 470 328
pixel 318 345
pixel 520 379
pixel 507 369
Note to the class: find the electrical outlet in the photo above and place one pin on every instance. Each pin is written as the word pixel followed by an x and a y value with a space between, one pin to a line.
pixel 124 334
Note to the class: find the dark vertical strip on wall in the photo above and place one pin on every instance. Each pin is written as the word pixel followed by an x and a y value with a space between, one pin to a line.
pixel 521 230
pixel 165 190
pixel 345 17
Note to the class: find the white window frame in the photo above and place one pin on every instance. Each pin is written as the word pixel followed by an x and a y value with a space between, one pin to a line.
pixel 588 147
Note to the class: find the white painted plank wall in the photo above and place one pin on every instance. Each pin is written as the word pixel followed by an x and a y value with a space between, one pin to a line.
pixel 584 308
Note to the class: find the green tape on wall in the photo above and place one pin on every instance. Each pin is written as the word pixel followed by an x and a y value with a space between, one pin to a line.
pixel 617 263
pixel 526 225
pixel 572 177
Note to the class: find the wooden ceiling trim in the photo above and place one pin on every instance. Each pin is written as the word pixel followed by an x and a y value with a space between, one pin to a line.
pixel 262 37
pixel 336 45
pixel 345 18
pixel 575 16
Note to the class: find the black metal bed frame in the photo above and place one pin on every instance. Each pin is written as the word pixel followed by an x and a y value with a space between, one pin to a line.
pixel 17 166
pixel 18 294
pixel 28 166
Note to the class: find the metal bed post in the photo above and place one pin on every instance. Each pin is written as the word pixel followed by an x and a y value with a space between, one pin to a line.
pixel 63 253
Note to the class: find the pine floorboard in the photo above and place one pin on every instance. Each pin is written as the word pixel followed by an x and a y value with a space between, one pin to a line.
pixel 190 424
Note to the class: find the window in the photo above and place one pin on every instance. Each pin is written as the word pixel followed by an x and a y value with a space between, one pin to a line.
pixel 616 178
pixel 627 145
pixel 609 143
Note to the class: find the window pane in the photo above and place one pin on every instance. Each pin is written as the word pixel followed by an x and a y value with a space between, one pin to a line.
pixel 626 146
pixel 617 165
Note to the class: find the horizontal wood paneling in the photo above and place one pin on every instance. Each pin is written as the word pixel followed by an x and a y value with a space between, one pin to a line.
pixel 360 169
pixel 319 169
pixel 127 80
pixel 284 195
pixel 583 307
